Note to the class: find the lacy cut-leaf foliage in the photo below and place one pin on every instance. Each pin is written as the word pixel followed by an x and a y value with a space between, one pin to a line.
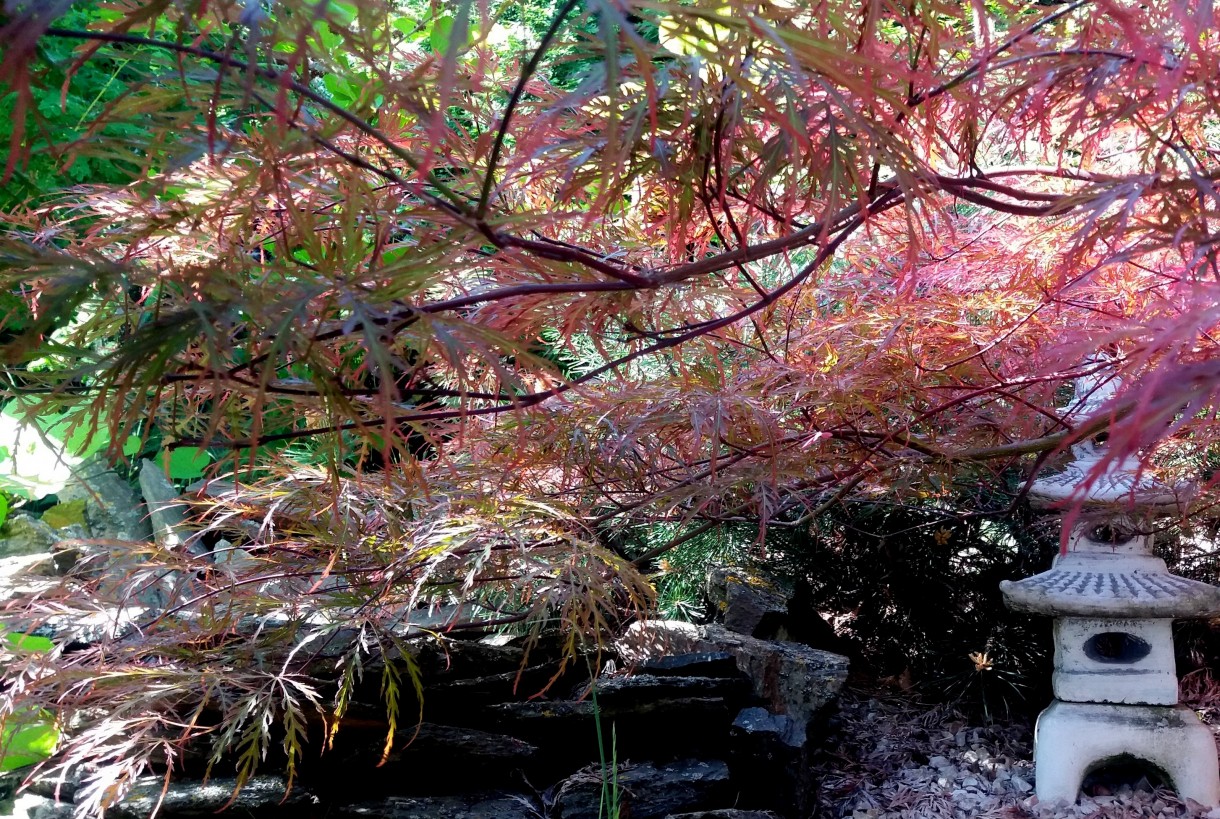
pixel 311 587
pixel 511 276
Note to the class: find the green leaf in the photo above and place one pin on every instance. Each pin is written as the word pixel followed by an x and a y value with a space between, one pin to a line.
pixel 28 642
pixel 438 37
pixel 407 26
pixel 3 503
pixel 441 33
pixel 345 13
pixel 329 40
pixel 186 464
pixel 341 91
pixel 27 738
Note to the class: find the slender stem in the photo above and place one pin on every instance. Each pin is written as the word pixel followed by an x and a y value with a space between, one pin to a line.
pixel 530 68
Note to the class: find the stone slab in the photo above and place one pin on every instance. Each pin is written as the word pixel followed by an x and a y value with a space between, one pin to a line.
pixel 649 791
pixel 791 678
pixel 189 798
pixel 467 806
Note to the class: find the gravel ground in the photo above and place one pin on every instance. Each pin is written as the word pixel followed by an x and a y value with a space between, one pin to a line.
pixel 892 756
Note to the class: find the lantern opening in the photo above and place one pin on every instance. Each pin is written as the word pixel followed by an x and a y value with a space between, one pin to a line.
pixel 1116 647
pixel 1108 775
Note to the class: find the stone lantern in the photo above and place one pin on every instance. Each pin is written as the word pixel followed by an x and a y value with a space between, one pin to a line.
pixel 1114 602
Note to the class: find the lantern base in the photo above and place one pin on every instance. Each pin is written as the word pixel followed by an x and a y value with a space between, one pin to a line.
pixel 1073 739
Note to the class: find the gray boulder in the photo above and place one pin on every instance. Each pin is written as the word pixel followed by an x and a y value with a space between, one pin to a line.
pixel 746 601
pixel 648 791
pixel 234 560
pixel 759 724
pixel 59 788
pixel 73 550
pixel 113 508
pixel 167 514
pixel 770 758
pixel 47 809
pixel 791 678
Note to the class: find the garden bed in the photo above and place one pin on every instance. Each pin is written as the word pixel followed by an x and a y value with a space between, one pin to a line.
pixel 892 756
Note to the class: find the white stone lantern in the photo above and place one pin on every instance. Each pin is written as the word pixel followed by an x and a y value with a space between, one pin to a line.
pixel 1114 602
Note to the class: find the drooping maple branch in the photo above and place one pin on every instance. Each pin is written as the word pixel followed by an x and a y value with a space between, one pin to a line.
pixel 888 200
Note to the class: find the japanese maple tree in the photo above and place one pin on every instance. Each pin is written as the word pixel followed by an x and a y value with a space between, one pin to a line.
pixel 512 277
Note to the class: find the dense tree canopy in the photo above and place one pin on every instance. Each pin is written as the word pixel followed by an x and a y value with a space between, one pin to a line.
pixel 510 278
pixel 730 257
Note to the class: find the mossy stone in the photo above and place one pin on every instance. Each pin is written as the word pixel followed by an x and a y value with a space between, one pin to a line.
pixel 68 513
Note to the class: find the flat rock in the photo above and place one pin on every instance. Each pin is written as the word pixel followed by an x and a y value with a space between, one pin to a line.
pixel 24 575
pixel 466 806
pixel 726 813
pixel 31 806
pixel 449 660
pixel 649 688
pixel 652 640
pixel 186 798
pixel 527 715
pixel 791 678
pixel 545 710
pixel 648 791
pixel 48 809
pixel 465 694
pixel 694 664
pixel 438 745
pixel 53 788
pixel 667 728
pixel 93 627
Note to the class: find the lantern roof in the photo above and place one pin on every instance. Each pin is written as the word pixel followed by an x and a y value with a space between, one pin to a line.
pixel 1091 481
pixel 1111 585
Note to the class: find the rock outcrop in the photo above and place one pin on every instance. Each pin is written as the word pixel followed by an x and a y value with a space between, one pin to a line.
pixel 113 508
pixel 792 679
